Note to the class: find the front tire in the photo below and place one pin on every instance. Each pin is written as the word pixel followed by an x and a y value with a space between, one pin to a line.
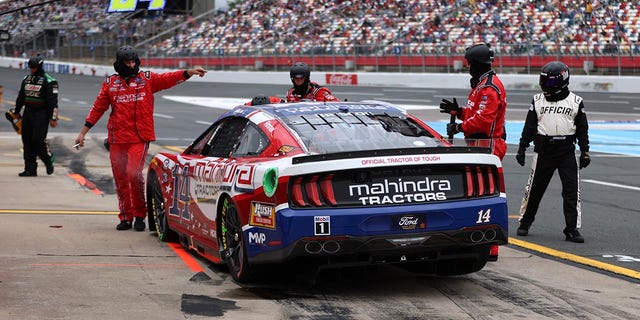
pixel 232 244
pixel 156 212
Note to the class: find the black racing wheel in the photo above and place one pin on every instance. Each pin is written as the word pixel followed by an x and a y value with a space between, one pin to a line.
pixel 156 211
pixel 232 244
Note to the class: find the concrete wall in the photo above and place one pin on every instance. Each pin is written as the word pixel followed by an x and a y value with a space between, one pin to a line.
pixel 415 80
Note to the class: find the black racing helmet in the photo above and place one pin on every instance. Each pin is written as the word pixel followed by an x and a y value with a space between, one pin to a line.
pixel 125 53
pixel 299 70
pixel 36 62
pixel 261 99
pixel 554 78
pixel 479 53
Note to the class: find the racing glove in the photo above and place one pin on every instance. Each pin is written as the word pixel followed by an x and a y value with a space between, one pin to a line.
pixel 453 128
pixel 12 115
pixel 520 156
pixel 585 159
pixel 449 107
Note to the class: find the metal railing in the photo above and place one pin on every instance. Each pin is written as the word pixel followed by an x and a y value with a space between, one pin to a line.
pixel 583 58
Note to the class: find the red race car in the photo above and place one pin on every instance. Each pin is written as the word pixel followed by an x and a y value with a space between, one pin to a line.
pixel 342 183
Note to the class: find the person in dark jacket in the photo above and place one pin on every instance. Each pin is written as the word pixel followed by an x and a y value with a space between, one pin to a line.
pixel 556 119
pixel 129 94
pixel 39 96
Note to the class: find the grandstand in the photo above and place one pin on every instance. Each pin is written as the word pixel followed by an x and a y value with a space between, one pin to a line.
pixel 592 36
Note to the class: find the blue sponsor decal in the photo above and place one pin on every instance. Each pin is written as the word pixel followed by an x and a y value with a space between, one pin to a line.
pixel 63 68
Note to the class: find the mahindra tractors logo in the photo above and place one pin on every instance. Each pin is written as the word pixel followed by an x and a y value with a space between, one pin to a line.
pixel 342 79
pixel 394 191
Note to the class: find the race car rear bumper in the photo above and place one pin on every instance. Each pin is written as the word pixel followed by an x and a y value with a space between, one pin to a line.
pixel 427 246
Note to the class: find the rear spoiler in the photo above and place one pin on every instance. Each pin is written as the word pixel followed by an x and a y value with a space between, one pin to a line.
pixel 390 152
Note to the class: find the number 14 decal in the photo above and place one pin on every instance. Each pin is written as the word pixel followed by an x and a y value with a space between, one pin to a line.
pixel 484 216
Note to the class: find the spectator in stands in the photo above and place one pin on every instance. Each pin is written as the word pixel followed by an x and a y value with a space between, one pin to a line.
pixel 588 10
pixel 636 47
pixel 342 27
pixel 303 88
pixel 129 94
pixel 610 48
pixel 484 113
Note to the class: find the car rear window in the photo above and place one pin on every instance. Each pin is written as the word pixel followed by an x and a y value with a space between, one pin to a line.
pixel 358 131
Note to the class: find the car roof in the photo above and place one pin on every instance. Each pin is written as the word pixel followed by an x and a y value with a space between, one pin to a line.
pixel 283 110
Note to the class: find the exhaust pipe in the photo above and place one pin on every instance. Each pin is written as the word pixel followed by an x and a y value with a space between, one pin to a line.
pixel 313 247
pixel 331 247
pixel 476 236
pixel 489 234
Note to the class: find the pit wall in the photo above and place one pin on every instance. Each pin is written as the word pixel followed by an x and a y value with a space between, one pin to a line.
pixel 579 83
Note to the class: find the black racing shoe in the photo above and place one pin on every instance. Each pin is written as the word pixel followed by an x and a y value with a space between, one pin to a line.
pixel 28 174
pixel 523 229
pixel 49 167
pixel 574 236
pixel 139 225
pixel 124 225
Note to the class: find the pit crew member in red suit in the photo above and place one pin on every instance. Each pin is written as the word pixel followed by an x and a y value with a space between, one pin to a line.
pixel 484 115
pixel 303 88
pixel 129 94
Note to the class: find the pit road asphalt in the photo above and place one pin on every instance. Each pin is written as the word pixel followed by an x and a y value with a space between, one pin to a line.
pixel 61 258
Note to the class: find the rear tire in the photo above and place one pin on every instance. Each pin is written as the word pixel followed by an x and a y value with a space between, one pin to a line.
pixel 156 212
pixel 232 243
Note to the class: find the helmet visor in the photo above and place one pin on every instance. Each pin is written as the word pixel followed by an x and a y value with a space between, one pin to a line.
pixel 551 81
pixel 34 63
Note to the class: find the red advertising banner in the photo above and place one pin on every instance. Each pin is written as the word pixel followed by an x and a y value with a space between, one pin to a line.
pixel 342 79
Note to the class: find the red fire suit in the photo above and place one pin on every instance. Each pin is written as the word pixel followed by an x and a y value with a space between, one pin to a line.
pixel 130 129
pixel 483 117
pixel 315 92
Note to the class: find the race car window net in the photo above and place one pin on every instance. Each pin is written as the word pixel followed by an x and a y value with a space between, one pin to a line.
pixel 356 131
pixel 252 142
pixel 220 139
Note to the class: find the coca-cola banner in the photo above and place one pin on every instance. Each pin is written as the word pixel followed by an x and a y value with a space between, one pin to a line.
pixel 342 79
